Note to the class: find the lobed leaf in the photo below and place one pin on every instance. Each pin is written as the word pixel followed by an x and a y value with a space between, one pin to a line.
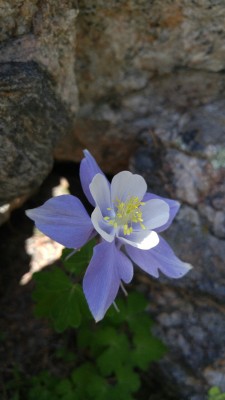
pixel 58 299
pixel 78 262
pixel 147 348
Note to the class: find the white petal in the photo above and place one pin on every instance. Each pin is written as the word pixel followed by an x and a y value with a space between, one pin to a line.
pixel 100 190
pixel 106 231
pixel 144 240
pixel 125 184
pixel 155 213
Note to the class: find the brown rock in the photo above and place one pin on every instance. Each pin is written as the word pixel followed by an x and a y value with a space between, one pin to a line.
pixel 143 66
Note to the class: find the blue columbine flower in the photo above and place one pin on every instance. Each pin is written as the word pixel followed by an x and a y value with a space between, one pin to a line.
pixel 128 220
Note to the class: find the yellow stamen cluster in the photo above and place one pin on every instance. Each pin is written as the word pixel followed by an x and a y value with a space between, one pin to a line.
pixel 127 213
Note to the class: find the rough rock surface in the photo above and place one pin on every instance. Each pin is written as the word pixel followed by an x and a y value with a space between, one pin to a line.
pixel 32 119
pixel 150 77
pixel 38 92
pixel 44 32
pixel 190 311
pixel 142 65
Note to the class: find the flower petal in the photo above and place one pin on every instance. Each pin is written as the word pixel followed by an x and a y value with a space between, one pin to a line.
pixel 155 213
pixel 64 219
pixel 142 239
pixel 104 229
pixel 173 205
pixel 160 258
pixel 100 191
pixel 88 169
pixel 125 184
pixel 102 279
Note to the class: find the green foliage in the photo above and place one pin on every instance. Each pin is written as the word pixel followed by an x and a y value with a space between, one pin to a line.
pixel 57 297
pixel 42 387
pixel 109 356
pixel 215 394
pixel 78 262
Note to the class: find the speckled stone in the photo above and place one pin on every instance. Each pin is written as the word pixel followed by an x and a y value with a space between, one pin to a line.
pixel 38 92
pixel 147 65
pixel 190 311
pixel 32 119
pixel 44 32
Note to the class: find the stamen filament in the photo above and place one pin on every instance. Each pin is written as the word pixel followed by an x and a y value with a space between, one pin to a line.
pixel 127 213
pixel 123 289
pixel 116 307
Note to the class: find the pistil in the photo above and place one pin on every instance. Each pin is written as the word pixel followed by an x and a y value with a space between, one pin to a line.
pixel 127 213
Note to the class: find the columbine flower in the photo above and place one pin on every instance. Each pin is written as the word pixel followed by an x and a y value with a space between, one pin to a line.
pixel 128 221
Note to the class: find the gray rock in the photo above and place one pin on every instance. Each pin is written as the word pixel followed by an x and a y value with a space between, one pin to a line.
pixel 190 311
pixel 44 33
pixel 38 91
pixel 32 119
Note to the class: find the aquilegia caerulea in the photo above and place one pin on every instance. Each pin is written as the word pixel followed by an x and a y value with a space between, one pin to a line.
pixel 128 221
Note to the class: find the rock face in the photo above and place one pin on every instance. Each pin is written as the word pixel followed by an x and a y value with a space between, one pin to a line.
pixel 143 65
pixel 191 311
pixel 32 120
pixel 149 77
pixel 38 92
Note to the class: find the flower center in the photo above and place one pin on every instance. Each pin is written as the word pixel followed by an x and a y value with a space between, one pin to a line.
pixel 127 213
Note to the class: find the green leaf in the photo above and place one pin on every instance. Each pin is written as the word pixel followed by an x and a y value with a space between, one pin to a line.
pixel 105 336
pixel 215 393
pixel 146 349
pixel 95 337
pixel 78 262
pixel 42 387
pixel 123 383
pixel 89 384
pixel 64 389
pixel 109 361
pixel 84 336
pixel 80 376
pixel 65 355
pixel 128 379
pixel 130 308
pixel 58 299
pixel 98 387
pixel 116 353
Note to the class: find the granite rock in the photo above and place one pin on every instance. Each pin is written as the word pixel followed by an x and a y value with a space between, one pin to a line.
pixel 44 32
pixel 191 311
pixel 32 119
pixel 38 92
pixel 144 66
